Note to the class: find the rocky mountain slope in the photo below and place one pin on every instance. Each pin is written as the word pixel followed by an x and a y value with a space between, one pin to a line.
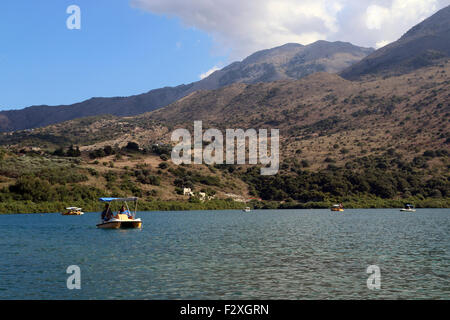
pixel 425 44
pixel 373 143
pixel 291 61
pixel 409 113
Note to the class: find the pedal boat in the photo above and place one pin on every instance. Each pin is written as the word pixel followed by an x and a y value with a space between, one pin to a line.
pixel 408 208
pixel 121 221
pixel 73 211
pixel 337 208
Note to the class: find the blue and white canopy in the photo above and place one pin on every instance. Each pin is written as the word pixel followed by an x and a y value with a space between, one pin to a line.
pixel 118 199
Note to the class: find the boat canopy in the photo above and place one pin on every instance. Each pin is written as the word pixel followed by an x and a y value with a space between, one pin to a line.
pixel 118 199
pixel 73 208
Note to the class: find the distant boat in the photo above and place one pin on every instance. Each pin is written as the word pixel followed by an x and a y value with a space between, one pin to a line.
pixel 337 207
pixel 123 219
pixel 247 209
pixel 408 208
pixel 73 211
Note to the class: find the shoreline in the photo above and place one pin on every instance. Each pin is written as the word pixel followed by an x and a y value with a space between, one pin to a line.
pixel 28 207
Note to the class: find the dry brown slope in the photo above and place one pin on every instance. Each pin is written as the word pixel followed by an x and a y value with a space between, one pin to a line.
pixel 409 113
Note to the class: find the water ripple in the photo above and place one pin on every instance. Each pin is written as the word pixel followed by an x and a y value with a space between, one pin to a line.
pixel 291 254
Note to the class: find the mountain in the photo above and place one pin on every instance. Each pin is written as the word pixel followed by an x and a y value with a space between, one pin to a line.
pixel 291 61
pixel 425 44
pixel 377 143
pixel 40 116
pixel 409 113
pixel 288 62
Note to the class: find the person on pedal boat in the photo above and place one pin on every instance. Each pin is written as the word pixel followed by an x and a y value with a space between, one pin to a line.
pixel 125 211
pixel 106 214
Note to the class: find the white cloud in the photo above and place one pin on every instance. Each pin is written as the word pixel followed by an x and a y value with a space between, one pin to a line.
pixel 398 16
pixel 376 15
pixel 381 44
pixel 247 26
pixel 242 27
pixel 209 72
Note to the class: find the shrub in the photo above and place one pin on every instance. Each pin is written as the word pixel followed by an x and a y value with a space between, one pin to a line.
pixel 163 165
pixel 132 146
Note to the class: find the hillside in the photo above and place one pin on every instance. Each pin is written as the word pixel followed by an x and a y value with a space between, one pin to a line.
pixel 409 113
pixel 291 61
pixel 370 143
pixel 413 108
pixel 425 44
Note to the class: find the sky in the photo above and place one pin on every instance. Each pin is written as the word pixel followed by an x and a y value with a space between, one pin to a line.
pixel 127 47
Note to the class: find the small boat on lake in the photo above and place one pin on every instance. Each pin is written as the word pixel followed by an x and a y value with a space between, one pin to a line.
pixel 247 209
pixel 124 219
pixel 73 211
pixel 408 208
pixel 338 208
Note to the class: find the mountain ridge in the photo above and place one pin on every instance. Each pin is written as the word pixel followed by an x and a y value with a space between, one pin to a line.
pixel 290 61
pixel 320 105
pixel 371 143
pixel 425 44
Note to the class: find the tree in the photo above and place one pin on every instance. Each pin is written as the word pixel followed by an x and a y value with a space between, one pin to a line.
pixel 99 153
pixel 59 152
pixel 73 152
pixel 33 189
pixel 163 165
pixel 133 146
pixel 108 150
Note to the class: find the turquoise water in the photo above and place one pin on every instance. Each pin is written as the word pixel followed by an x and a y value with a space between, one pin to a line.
pixel 273 254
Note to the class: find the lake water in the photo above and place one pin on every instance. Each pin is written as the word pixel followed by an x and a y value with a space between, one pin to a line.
pixel 267 254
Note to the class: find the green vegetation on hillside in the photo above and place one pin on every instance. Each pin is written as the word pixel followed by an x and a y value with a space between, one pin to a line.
pixel 36 183
pixel 385 177
pixel 377 143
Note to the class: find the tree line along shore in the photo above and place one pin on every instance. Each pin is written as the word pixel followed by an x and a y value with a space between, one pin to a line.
pixel 35 182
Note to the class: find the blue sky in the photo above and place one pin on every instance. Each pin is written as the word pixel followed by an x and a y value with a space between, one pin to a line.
pixel 128 47
pixel 119 51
